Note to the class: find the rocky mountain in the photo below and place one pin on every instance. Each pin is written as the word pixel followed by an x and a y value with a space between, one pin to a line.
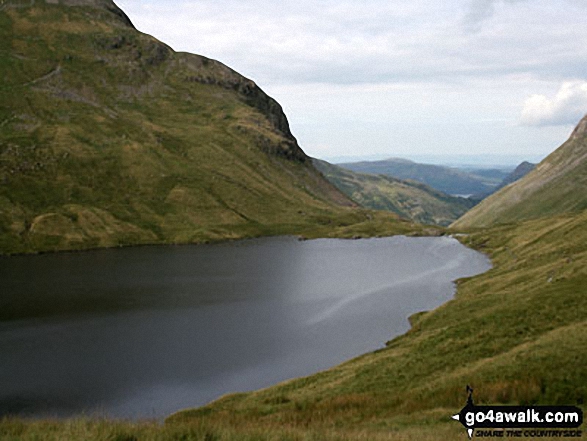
pixel 109 137
pixel 445 179
pixel 557 185
pixel 518 173
pixel 409 199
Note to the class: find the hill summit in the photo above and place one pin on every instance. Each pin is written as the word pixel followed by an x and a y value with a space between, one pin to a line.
pixel 110 137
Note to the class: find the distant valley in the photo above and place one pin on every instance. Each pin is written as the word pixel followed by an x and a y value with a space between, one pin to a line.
pixel 449 180
pixel 109 138
pixel 407 198
pixel 557 185
pixel 516 333
pixel 420 194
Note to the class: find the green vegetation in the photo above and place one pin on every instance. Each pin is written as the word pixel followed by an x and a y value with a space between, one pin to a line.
pixel 557 185
pixel 445 179
pixel 110 138
pixel 104 430
pixel 409 199
pixel 516 333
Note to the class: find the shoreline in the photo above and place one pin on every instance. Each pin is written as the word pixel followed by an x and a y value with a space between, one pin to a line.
pixel 408 318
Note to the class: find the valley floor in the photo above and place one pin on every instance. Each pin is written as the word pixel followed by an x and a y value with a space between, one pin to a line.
pixel 516 334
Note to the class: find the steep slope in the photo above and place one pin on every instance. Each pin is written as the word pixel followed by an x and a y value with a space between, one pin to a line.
pixel 409 199
pixel 518 173
pixel 446 179
pixel 109 137
pixel 557 185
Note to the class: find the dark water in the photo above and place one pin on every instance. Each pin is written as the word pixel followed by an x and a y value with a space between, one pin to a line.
pixel 143 332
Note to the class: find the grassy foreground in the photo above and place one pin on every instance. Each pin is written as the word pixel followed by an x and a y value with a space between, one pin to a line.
pixel 517 334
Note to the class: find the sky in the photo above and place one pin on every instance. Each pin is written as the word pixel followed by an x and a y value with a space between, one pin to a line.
pixel 390 78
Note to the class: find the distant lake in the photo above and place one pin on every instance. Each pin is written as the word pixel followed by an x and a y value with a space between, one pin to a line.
pixel 143 332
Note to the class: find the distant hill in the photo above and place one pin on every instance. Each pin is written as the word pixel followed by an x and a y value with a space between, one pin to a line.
pixel 409 199
pixel 521 170
pixel 518 173
pixel 446 179
pixel 557 185
pixel 493 174
pixel 109 137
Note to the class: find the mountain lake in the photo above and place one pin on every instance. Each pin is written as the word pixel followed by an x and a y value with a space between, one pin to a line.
pixel 142 332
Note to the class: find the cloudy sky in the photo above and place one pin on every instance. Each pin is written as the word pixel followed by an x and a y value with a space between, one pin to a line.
pixel 398 78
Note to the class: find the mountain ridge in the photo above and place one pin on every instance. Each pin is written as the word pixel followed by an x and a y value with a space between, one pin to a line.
pixel 409 199
pixel 109 5
pixel 556 185
pixel 109 137
pixel 445 179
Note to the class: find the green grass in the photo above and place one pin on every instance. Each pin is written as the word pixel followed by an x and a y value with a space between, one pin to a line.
pixel 408 199
pixel 557 185
pixel 516 334
pixel 110 138
pixel 104 430
pixel 129 143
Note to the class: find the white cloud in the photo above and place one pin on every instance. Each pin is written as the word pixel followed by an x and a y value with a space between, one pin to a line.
pixel 376 75
pixel 351 42
pixel 568 106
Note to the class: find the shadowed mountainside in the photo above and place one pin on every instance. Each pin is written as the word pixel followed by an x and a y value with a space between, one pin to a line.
pixel 520 171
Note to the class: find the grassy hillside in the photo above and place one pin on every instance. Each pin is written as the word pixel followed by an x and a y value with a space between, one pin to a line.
pixel 108 137
pixel 445 179
pixel 516 333
pixel 409 199
pixel 557 185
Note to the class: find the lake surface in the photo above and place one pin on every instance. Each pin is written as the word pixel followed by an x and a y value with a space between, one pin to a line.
pixel 144 332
